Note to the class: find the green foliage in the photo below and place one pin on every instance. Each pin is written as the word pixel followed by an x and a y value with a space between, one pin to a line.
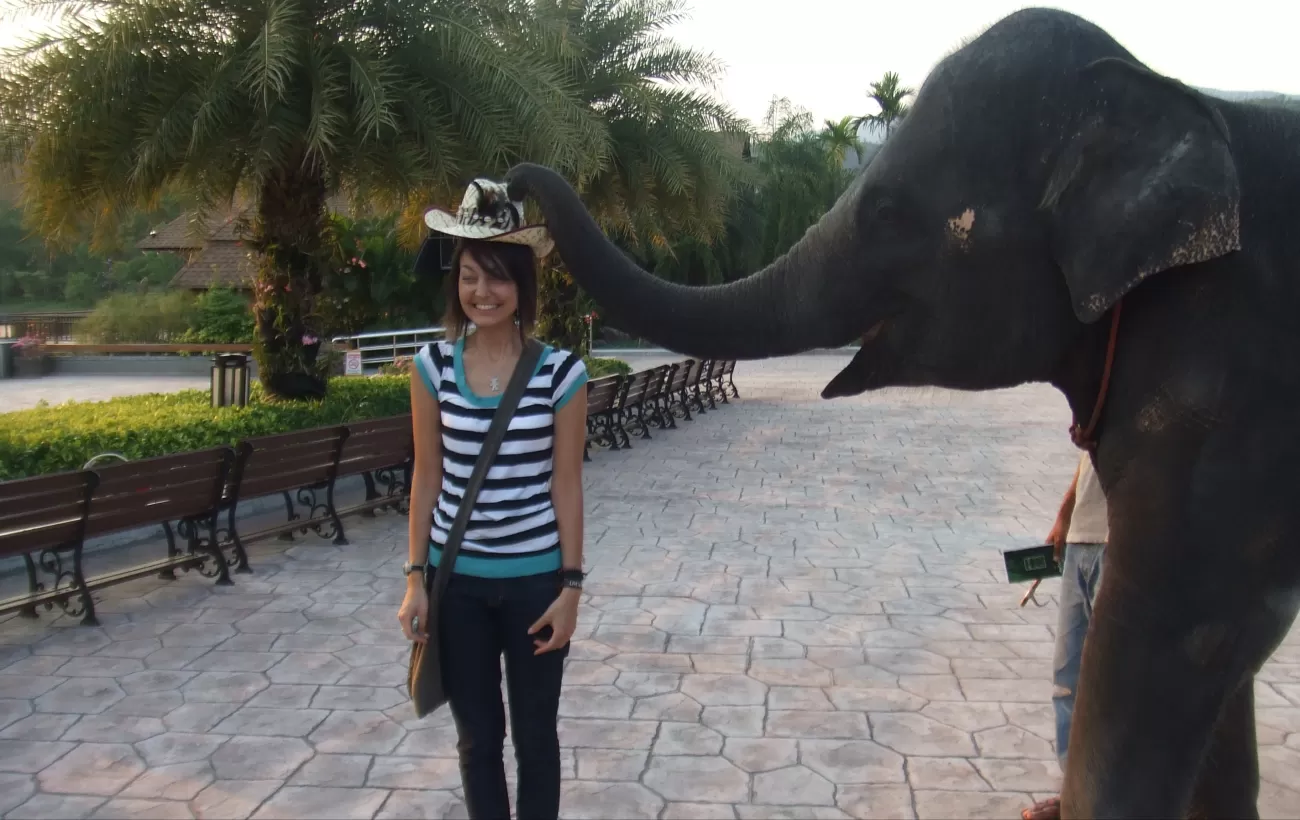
pixel 125 318
pixel 561 306
pixel 35 277
pixel 888 94
pixel 370 282
pixel 54 439
pixel 598 367
pixel 220 316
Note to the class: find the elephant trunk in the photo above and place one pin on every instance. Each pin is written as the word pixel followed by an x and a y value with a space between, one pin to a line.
pixel 786 308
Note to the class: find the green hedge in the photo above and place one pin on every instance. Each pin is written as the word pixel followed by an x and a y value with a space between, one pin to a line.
pixel 598 367
pixel 55 439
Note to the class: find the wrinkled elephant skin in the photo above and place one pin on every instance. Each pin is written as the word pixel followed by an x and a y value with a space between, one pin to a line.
pixel 1042 176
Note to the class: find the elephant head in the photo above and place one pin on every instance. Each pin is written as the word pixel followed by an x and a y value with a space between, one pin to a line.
pixel 1042 174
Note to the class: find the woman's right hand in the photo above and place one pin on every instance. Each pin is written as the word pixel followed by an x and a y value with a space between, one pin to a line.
pixel 413 615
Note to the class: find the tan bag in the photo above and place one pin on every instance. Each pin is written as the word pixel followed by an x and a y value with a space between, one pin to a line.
pixel 424 679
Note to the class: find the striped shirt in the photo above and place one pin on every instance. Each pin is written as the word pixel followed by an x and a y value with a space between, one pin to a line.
pixel 512 530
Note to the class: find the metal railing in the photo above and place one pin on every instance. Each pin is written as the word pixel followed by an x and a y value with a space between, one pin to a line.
pixel 51 326
pixel 384 346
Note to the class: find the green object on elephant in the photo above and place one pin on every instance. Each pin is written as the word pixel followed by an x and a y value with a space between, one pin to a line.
pixel 1043 175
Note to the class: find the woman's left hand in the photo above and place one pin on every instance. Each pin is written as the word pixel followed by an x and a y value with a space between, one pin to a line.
pixel 562 617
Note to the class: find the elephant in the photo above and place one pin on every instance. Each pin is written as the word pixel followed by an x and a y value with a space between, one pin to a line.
pixel 1044 180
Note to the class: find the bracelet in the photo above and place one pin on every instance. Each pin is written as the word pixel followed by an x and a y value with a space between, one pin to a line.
pixel 571 578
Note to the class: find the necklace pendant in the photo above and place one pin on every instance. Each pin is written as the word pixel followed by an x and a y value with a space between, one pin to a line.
pixel 495 385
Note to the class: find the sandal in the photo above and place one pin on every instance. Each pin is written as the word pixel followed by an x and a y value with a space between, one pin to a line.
pixel 1049 809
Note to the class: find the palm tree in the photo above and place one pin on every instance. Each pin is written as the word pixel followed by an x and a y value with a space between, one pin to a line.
pixel 282 104
pixel 841 135
pixel 670 155
pixel 889 96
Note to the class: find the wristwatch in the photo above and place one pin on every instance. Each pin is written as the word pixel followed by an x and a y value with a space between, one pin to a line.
pixel 408 568
pixel 572 578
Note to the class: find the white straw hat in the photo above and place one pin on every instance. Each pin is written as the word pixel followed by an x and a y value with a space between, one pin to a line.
pixel 486 213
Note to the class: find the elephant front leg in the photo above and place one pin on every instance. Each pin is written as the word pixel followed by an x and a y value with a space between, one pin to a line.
pixel 1159 670
pixel 1228 783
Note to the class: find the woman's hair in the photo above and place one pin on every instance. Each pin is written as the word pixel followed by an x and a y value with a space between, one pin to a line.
pixel 504 262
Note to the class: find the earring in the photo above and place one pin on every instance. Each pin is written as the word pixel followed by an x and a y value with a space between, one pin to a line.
pixel 516 319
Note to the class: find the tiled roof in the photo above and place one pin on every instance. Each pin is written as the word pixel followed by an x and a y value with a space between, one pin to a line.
pixel 184 233
pixel 224 263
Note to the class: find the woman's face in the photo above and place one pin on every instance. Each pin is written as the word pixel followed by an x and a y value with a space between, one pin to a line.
pixel 485 300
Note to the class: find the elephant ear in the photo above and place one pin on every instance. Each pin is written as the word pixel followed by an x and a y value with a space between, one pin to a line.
pixel 1145 183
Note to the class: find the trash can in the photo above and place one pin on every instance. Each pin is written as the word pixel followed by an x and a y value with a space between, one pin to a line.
pixel 7 358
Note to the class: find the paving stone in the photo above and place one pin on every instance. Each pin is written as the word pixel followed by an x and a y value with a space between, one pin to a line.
pixel 232 799
pixel 285 696
pixel 39 727
pixel 595 800
pixel 29 756
pixel 1021 775
pixel 687 739
pixel 817 725
pixel 594 702
pixel 224 687
pixel 852 761
pixel 767 812
pixel 357 733
pixel 879 803
pixel 944 774
pixel 699 811
pixel 403 804
pixel 761 754
pixel 724 690
pixel 1013 742
pixel 177 781
pixel 735 721
pixel 913 734
pixel 793 786
pixel 14 790
pixel 607 734
pixel 99 667
pixel 249 758
pixel 56 807
pixel 975 805
pixel 332 770
pixel 697 778
pixel 610 764
pixel 84 696
pixel 179 747
pixel 124 808
pixel 802 698
pixel 673 706
pixel 114 728
pixel 414 773
pixel 92 768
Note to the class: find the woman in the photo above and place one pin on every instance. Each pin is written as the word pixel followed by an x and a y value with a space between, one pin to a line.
pixel 518 576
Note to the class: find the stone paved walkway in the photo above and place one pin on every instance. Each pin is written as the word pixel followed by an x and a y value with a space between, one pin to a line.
pixel 796 609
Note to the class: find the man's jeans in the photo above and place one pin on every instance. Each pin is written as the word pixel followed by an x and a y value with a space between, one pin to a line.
pixel 1080 578
pixel 482 619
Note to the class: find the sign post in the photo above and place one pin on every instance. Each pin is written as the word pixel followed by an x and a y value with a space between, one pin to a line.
pixel 352 363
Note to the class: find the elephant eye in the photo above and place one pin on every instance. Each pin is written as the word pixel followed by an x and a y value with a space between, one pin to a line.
pixel 886 211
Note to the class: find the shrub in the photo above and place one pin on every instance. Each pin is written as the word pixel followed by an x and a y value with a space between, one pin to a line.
pixel 221 316
pixel 64 437
pixel 130 318
pixel 597 367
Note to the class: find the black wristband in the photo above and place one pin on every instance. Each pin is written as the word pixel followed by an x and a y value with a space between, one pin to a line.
pixel 572 578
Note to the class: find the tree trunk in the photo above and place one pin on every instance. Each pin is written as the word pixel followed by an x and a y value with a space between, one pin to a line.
pixel 287 232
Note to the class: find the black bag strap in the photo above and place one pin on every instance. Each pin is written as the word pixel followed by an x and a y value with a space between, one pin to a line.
pixel 496 433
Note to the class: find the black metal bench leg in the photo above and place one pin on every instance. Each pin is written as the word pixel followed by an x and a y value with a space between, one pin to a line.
pixel 79 581
pixel 371 492
pixel 212 547
pixel 169 574
pixel 241 555
pixel 340 538
pixel 291 516
pixel 33 586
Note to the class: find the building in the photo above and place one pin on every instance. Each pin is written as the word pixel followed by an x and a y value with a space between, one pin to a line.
pixel 215 254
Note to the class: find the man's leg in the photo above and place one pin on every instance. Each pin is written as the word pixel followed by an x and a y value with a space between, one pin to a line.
pixel 1078 587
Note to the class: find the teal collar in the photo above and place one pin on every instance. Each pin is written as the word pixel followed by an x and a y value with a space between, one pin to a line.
pixel 462 384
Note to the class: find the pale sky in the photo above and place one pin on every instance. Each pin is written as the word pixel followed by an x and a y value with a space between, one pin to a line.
pixel 823 54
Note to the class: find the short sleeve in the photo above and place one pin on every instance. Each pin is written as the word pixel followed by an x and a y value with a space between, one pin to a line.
pixel 429 366
pixel 570 374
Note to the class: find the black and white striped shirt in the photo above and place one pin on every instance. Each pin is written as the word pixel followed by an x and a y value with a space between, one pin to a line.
pixel 512 531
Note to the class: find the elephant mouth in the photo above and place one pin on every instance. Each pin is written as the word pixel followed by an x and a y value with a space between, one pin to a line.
pixel 862 372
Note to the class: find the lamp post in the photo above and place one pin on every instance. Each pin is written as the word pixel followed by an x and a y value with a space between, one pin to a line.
pixel 229 380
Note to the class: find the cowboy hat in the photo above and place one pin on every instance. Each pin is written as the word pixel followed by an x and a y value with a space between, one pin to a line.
pixel 487 214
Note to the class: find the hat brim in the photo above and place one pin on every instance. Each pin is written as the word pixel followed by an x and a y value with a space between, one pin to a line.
pixel 534 236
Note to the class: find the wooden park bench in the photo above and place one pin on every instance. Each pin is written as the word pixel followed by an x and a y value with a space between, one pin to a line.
pixel 382 451
pixel 632 416
pixel 675 394
pixel 303 463
pixel 185 487
pixel 604 400
pixel 729 373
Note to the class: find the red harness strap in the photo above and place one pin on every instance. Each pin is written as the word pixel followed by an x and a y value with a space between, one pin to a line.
pixel 1083 439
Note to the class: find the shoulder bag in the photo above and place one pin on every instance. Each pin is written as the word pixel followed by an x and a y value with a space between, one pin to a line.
pixel 425 675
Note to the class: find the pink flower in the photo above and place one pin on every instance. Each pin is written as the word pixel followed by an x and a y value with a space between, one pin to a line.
pixel 309 339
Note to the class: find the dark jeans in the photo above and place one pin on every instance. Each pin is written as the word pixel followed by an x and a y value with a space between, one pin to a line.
pixel 481 619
